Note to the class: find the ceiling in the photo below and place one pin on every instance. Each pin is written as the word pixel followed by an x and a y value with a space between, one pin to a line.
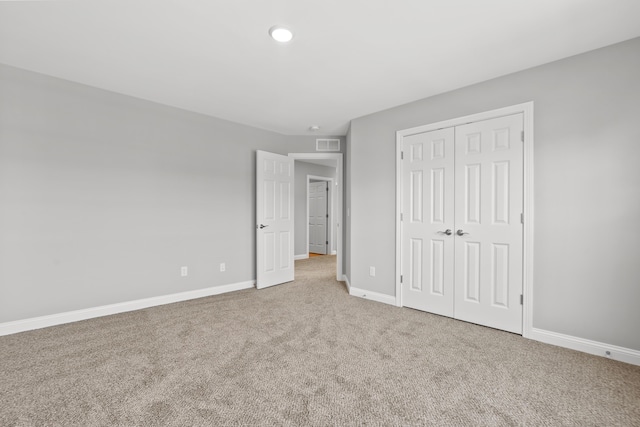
pixel 348 58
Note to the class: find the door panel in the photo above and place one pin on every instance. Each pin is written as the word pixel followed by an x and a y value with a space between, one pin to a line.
pixel 471 272
pixel 416 262
pixel 472 194
pixel 489 183
pixel 437 267
pixel 427 174
pixel 274 213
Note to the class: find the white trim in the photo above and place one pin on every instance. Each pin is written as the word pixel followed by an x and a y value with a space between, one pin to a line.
pixel 338 197
pixel 528 196
pixel 345 279
pixel 106 310
pixel 330 206
pixel 622 354
pixel 527 232
pixel 301 256
pixel 373 296
pixel 399 138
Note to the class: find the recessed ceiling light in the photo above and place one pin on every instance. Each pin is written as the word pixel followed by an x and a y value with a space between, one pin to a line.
pixel 314 128
pixel 280 34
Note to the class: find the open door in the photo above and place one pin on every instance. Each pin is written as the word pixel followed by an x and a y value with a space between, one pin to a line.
pixel 274 217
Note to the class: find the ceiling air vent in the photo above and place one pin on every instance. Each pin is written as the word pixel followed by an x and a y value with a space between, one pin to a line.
pixel 327 145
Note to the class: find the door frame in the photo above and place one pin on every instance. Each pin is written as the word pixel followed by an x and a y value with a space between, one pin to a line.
pixel 330 222
pixel 338 197
pixel 527 243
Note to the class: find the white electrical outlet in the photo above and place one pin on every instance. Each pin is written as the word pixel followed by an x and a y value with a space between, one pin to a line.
pixel 223 267
pixel 372 271
pixel 184 271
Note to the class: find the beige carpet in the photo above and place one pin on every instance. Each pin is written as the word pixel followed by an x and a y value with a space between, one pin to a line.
pixel 303 353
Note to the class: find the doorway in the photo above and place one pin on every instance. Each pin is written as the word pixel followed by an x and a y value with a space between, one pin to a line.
pixel 333 160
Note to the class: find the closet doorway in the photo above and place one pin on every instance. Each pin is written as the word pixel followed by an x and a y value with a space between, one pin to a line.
pixel 461 219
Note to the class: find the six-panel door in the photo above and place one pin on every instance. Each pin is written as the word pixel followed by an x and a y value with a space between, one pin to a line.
pixel 274 215
pixel 318 217
pixel 428 212
pixel 488 198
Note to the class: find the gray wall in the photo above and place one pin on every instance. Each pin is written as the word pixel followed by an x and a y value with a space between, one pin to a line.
pixel 302 169
pixel 587 194
pixel 347 209
pixel 103 197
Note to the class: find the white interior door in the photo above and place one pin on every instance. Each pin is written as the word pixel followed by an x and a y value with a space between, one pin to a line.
pixel 489 201
pixel 468 180
pixel 428 221
pixel 318 215
pixel 274 216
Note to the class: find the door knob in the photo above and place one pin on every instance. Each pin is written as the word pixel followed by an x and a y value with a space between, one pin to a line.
pixel 262 226
pixel 461 233
pixel 447 232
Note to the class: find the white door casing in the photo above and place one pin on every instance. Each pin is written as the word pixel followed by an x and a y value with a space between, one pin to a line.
pixel 488 199
pixel 318 215
pixel 274 217
pixel 428 221
pixel 493 262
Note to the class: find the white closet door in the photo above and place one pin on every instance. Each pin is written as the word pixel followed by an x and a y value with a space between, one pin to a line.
pixel 489 201
pixel 428 212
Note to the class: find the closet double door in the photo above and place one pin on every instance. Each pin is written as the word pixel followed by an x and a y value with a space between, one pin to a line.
pixel 461 225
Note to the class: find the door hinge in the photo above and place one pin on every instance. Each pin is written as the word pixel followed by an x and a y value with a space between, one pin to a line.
pixel 402 155
pixel 327 215
pixel 327 242
pixel 401 217
pixel 521 218
pixel 521 299
pixel 522 136
pixel 401 278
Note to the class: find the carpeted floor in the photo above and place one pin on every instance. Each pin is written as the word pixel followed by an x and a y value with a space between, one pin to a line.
pixel 303 353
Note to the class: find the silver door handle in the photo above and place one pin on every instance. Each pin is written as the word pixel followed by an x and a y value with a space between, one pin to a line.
pixel 261 226
pixel 461 233
pixel 447 232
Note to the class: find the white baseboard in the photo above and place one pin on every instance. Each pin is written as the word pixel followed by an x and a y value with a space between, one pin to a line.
pixel 622 354
pixel 334 252
pixel 345 279
pixel 374 296
pixel 301 256
pixel 106 310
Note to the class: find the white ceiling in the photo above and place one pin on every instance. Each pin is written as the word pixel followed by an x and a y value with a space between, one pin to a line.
pixel 349 58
